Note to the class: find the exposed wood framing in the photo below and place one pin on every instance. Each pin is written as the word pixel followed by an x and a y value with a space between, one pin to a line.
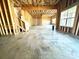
pixel 77 29
pixel 58 17
pixel 67 29
pixel 11 15
pixel 36 2
pixel 4 27
pixel 64 5
pixel 7 18
pixel 76 20
pixel 0 31
pixel 1 28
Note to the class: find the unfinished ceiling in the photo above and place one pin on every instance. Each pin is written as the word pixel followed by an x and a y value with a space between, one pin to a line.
pixel 37 7
pixel 35 2
pixel 50 12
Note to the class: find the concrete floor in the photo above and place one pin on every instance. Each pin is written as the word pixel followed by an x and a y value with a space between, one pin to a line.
pixel 39 43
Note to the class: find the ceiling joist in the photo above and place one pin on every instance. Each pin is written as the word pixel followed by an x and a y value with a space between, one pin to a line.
pixel 36 2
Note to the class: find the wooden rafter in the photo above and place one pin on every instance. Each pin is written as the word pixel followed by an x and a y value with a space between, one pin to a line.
pixel 42 12
pixel 36 2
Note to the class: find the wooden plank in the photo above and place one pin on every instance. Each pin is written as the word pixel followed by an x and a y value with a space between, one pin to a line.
pixel 11 15
pixel 0 31
pixel 76 20
pixel 30 1
pixel 77 29
pixel 0 23
pixel 7 18
pixel 64 29
pixel 3 27
pixel 67 29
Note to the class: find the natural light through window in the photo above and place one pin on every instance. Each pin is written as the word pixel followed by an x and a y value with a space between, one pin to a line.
pixel 67 17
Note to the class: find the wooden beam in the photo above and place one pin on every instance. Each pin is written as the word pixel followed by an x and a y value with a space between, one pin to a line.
pixel 77 29
pixel 16 3
pixel 1 28
pixel 76 21
pixel 68 30
pixel 4 27
pixel 11 15
pixel 0 31
pixel 7 18
pixel 31 7
pixel 30 1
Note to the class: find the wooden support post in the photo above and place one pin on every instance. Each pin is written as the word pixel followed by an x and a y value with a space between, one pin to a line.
pixel 3 27
pixel 58 17
pixel 0 31
pixel 9 28
pixel 64 29
pixel 77 29
pixel 68 29
pixel 76 21
pixel 0 23
pixel 11 15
